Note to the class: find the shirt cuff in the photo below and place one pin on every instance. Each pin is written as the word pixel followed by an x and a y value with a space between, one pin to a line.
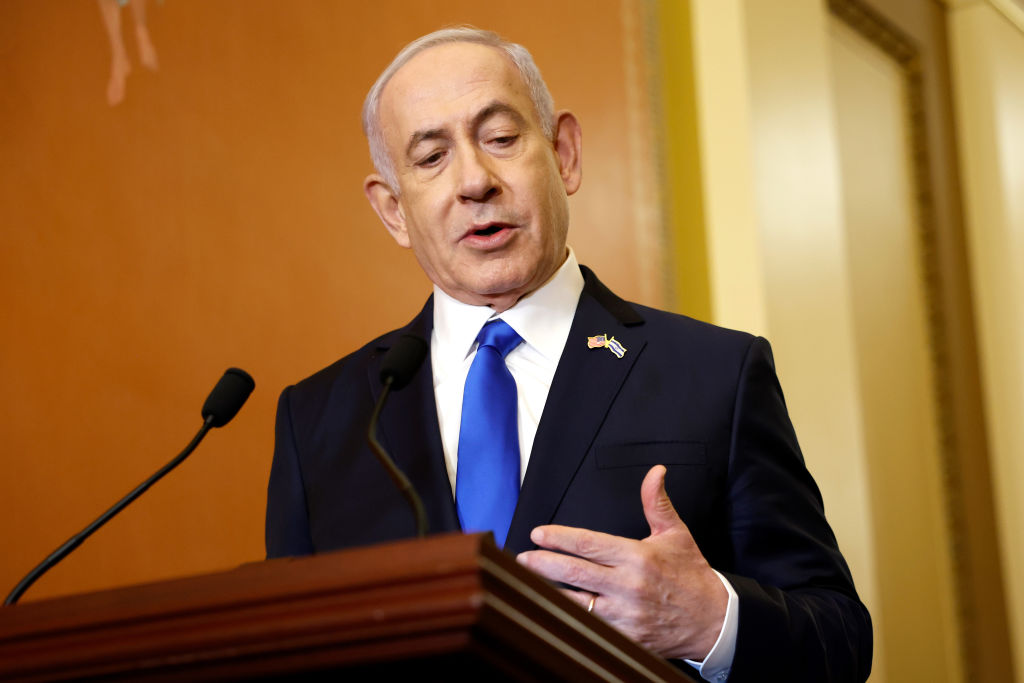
pixel 717 664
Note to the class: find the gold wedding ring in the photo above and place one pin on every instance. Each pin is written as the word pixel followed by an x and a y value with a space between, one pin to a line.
pixel 593 599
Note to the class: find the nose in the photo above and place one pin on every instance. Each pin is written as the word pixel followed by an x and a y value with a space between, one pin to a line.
pixel 477 181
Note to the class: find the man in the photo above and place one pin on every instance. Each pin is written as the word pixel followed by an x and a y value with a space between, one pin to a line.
pixel 660 475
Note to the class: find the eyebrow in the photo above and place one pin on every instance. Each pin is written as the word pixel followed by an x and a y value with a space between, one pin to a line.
pixel 492 109
pixel 421 135
pixel 497 107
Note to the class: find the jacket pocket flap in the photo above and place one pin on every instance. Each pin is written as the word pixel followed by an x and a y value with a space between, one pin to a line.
pixel 651 453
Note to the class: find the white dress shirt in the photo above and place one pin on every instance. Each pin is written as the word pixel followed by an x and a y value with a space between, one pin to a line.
pixel 542 319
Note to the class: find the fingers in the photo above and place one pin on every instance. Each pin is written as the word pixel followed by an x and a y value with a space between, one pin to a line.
pixel 593 545
pixel 591 560
pixel 569 570
pixel 581 598
pixel 658 509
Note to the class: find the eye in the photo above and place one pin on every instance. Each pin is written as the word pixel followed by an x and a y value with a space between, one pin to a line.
pixel 431 160
pixel 504 140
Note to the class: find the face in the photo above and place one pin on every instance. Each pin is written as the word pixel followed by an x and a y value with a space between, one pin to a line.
pixel 482 194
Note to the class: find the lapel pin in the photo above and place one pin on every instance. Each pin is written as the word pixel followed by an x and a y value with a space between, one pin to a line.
pixel 603 341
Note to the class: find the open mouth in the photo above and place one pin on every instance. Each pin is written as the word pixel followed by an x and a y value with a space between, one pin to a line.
pixel 489 230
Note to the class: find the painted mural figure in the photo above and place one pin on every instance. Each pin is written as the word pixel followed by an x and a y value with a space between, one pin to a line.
pixel 120 65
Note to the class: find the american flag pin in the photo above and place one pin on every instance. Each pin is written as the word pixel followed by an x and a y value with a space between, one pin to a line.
pixel 603 341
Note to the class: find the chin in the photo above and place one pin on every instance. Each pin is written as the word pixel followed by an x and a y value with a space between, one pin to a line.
pixel 508 285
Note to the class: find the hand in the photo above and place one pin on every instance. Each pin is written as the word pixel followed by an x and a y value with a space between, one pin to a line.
pixel 659 591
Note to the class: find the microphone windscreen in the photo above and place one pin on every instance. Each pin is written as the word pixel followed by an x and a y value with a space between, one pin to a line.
pixel 228 396
pixel 403 360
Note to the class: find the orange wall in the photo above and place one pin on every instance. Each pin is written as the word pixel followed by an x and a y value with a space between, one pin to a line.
pixel 215 218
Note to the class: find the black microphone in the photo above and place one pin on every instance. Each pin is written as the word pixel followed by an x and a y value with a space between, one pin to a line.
pixel 402 361
pixel 227 397
pixel 221 405
pixel 398 367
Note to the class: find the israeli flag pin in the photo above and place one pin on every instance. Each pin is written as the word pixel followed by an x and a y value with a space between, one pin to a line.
pixel 603 341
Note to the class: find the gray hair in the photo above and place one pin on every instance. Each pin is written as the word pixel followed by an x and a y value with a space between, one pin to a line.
pixel 520 56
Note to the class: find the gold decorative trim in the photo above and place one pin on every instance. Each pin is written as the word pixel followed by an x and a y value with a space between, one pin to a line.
pixel 667 45
pixel 646 175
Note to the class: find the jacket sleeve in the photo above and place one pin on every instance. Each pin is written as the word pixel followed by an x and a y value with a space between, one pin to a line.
pixel 799 615
pixel 287 527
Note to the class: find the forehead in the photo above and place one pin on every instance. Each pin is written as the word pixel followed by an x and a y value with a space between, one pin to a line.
pixel 448 83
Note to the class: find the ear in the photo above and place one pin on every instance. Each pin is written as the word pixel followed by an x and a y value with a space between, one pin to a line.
pixel 385 202
pixel 569 148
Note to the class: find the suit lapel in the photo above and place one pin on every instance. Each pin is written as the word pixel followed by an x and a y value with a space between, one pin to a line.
pixel 582 392
pixel 409 430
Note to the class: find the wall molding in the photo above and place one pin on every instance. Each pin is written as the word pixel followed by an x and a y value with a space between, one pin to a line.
pixel 906 53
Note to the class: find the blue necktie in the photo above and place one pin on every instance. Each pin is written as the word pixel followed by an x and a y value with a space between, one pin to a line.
pixel 487 477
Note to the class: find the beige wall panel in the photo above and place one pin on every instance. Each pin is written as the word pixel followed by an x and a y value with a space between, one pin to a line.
pixel 988 58
pixel 215 217
pixel 735 277
pixel 897 387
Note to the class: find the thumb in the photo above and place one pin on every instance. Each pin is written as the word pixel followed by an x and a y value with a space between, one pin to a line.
pixel 658 509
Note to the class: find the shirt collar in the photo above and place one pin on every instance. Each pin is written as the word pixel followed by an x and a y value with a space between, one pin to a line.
pixel 542 318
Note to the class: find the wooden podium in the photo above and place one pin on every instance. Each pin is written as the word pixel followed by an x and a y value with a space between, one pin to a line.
pixel 450 607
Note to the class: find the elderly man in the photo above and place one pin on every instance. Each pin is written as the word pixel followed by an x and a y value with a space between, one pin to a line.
pixel 643 458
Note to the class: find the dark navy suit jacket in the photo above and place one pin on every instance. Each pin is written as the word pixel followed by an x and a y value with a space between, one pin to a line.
pixel 703 401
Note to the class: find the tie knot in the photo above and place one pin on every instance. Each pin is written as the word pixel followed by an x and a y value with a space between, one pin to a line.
pixel 500 336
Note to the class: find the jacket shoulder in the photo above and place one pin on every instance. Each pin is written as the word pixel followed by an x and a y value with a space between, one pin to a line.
pixel 696 335
pixel 659 324
pixel 356 361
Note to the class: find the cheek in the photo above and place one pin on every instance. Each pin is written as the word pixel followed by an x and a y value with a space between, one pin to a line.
pixel 556 210
pixel 420 218
pixel 431 250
